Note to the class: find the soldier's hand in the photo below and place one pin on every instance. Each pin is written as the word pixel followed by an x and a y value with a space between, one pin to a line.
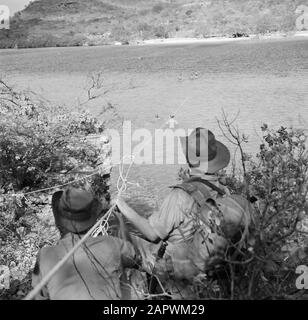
pixel 120 203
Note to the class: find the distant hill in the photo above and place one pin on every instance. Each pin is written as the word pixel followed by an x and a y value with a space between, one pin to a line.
pixel 94 22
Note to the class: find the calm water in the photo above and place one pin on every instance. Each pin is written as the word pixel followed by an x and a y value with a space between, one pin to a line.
pixel 266 81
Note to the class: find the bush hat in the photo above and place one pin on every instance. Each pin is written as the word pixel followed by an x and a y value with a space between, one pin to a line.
pixel 204 152
pixel 76 210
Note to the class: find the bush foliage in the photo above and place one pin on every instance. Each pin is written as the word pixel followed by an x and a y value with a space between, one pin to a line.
pixel 41 146
pixel 278 178
pixel 37 140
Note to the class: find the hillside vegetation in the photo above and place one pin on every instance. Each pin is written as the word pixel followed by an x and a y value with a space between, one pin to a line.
pixel 93 22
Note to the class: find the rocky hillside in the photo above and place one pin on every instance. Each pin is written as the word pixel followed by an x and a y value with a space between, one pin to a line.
pixel 93 22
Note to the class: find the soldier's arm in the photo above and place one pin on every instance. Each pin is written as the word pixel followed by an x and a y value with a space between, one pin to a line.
pixel 160 223
pixel 141 223
pixel 172 212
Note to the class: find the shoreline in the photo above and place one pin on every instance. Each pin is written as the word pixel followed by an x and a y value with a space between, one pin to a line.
pixel 271 36
pixel 187 40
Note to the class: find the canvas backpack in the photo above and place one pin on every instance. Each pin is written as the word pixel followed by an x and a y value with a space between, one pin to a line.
pixel 217 222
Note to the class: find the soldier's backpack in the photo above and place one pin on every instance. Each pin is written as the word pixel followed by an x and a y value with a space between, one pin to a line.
pixel 218 221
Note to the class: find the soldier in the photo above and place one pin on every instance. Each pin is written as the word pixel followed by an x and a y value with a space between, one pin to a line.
pixel 175 223
pixel 93 272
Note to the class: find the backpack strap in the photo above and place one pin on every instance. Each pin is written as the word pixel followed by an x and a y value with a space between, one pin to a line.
pixel 198 191
pixel 209 184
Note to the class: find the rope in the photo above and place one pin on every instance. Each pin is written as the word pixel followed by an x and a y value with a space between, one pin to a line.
pixel 103 226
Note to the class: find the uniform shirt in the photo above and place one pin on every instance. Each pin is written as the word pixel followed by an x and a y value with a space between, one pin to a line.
pixel 176 223
pixel 179 209
pixel 92 273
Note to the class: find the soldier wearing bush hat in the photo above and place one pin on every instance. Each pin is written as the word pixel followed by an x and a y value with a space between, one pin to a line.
pixel 205 157
pixel 173 221
pixel 75 210
pixel 93 272
pixel 204 154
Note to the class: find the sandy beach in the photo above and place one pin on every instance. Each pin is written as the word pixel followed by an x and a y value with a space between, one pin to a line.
pixel 177 41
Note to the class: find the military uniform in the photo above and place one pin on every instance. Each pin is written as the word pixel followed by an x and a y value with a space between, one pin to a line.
pixel 92 273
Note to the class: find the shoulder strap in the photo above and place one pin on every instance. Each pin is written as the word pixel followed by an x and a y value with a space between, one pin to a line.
pixel 209 184
pixel 196 190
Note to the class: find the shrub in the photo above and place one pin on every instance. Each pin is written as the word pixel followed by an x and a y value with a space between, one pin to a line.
pixel 278 178
pixel 161 32
pixel 265 23
pixel 143 26
pixel 37 138
pixel 203 30
pixel 120 33
pixel 41 146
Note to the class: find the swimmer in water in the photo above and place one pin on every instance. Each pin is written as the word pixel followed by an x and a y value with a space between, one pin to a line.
pixel 172 122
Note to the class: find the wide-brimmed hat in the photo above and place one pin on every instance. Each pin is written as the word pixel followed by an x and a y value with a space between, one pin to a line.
pixel 76 210
pixel 204 152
